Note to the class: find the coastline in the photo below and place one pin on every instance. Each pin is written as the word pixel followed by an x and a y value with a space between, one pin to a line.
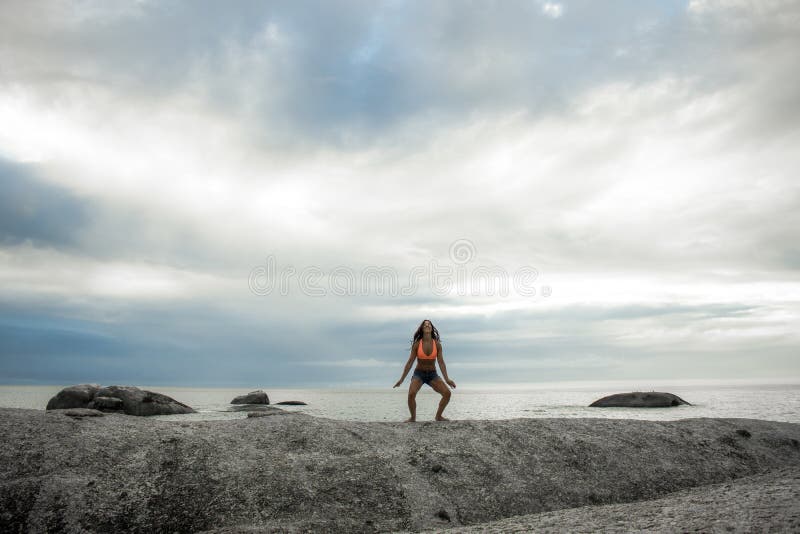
pixel 756 401
pixel 293 472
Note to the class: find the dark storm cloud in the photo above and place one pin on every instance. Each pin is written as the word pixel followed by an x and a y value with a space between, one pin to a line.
pixel 146 344
pixel 204 344
pixel 42 214
pixel 36 212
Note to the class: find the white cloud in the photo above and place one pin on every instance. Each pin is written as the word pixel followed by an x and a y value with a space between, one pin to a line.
pixel 552 9
pixel 33 273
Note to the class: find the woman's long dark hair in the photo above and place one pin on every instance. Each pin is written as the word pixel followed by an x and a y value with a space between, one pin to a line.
pixel 418 333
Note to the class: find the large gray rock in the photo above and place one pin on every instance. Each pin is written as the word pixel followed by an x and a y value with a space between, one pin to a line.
pixel 107 404
pixel 78 396
pixel 639 399
pixel 254 397
pixel 298 473
pixel 127 399
pixel 137 401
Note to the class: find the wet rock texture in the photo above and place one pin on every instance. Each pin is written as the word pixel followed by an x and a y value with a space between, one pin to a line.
pixel 292 472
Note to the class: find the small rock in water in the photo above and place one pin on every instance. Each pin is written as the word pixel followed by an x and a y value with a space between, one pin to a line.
pixel 258 396
pixel 639 399
pixel 442 514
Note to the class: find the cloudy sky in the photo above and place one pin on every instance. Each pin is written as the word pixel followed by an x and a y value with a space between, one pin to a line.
pixel 200 193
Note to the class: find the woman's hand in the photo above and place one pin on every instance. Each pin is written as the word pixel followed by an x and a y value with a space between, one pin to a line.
pixel 398 383
pixel 451 383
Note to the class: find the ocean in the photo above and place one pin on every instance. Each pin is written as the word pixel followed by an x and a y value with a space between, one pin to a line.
pixel 771 401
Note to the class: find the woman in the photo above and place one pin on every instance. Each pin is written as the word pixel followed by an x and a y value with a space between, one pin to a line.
pixel 426 347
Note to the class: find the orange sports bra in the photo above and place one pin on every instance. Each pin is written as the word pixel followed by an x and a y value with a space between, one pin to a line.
pixel 421 353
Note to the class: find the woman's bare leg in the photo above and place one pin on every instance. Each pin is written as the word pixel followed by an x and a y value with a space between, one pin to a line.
pixel 441 388
pixel 416 383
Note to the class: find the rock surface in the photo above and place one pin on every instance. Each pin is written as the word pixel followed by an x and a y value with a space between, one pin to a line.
pixel 254 397
pixel 77 412
pixel 107 403
pixel 293 472
pixel 760 503
pixel 260 414
pixel 254 408
pixel 77 396
pixel 639 399
pixel 137 401
pixel 126 399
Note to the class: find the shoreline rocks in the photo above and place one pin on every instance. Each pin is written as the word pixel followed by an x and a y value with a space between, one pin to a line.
pixel 77 396
pixel 258 396
pixel 639 399
pixel 295 472
pixel 129 400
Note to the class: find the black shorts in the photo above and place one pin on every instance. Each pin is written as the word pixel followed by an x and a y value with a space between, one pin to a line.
pixel 426 376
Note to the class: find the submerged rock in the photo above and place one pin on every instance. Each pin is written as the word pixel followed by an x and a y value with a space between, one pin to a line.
pixel 254 397
pixel 639 399
pixel 126 399
pixel 292 403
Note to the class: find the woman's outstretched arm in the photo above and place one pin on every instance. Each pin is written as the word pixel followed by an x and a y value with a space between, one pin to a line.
pixel 409 363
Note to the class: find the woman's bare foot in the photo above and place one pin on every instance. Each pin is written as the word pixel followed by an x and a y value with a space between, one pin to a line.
pixel 442 418
pixel 410 420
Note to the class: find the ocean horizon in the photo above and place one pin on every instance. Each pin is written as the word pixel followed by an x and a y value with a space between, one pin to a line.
pixel 768 399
